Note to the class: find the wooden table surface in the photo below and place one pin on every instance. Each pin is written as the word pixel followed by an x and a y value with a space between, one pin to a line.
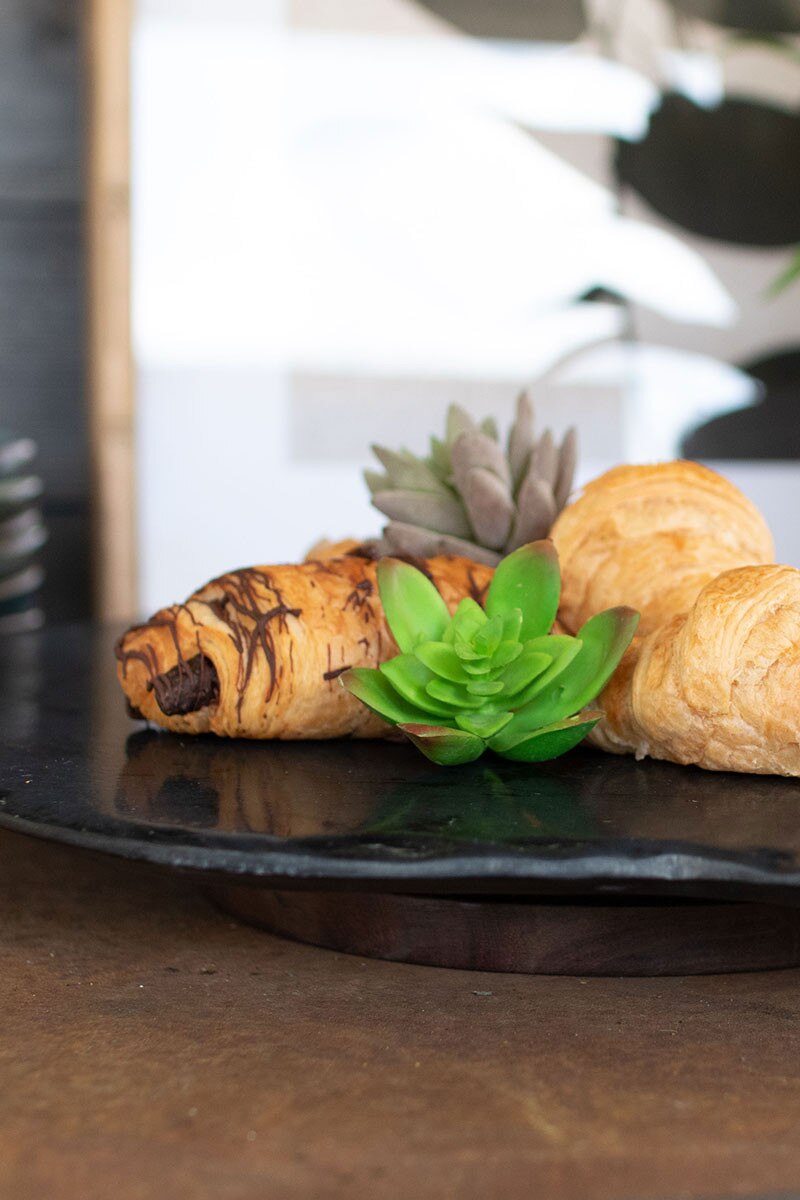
pixel 151 1047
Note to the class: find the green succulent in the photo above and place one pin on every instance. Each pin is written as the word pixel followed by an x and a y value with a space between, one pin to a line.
pixel 493 677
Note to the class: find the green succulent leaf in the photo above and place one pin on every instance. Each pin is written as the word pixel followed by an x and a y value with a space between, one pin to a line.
pixel 468 654
pixel 452 694
pixel 601 643
pixel 562 649
pixel 493 677
pixel 505 653
pixel 551 741
pixel 475 668
pixel 512 625
pixel 409 678
pixel 414 609
pixel 487 638
pixel 483 724
pixel 447 747
pixel 466 621
pixel 526 667
pixel 541 713
pixel 528 579
pixel 374 690
pixel 605 639
pixel 443 661
pixel 484 687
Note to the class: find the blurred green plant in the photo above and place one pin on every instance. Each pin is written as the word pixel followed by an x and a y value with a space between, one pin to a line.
pixel 493 677
pixel 787 276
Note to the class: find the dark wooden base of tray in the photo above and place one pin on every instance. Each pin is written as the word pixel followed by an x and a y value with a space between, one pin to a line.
pixel 530 935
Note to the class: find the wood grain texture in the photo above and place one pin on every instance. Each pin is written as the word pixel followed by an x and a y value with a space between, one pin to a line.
pixel 595 937
pixel 111 393
pixel 151 1047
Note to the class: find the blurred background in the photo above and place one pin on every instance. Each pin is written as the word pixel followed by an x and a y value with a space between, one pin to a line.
pixel 44 456
pixel 344 215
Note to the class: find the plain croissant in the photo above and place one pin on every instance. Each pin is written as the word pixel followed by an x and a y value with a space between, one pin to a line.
pixel 651 537
pixel 714 678
pixel 718 686
pixel 257 653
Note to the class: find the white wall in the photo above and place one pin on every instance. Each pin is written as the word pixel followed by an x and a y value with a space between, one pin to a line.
pixel 226 486
pixel 335 235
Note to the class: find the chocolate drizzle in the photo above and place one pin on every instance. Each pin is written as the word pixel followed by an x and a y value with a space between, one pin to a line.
pixel 193 683
pixel 369 550
pixel 238 608
pixel 336 672
pixel 167 619
pixel 360 600
pixel 248 608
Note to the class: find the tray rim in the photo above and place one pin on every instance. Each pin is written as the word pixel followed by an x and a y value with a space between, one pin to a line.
pixel 662 869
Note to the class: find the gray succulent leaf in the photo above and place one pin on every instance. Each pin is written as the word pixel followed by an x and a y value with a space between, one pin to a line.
pixel 443 513
pixel 471 495
pixel 544 460
pixel 520 441
pixel 403 470
pixel 376 482
pixel 536 511
pixel 489 506
pixel 399 538
pixel 567 461
pixel 439 459
pixel 473 450
pixel 458 421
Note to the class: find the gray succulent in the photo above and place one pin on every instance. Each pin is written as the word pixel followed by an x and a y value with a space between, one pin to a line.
pixel 470 496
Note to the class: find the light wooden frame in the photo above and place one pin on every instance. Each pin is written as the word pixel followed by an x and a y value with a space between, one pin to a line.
pixel 107 41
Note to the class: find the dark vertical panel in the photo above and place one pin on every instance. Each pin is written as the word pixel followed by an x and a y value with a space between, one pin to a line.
pixel 41 284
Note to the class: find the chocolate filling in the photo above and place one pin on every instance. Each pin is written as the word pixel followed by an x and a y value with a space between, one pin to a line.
pixel 187 687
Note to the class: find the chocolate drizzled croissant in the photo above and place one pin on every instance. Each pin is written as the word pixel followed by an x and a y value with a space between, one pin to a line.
pixel 257 653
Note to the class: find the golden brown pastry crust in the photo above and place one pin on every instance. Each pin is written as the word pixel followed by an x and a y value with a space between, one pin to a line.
pixel 651 537
pixel 264 647
pixel 325 549
pixel 718 686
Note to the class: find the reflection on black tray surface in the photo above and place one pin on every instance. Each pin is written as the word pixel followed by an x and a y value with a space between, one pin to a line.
pixel 299 789
pixel 372 814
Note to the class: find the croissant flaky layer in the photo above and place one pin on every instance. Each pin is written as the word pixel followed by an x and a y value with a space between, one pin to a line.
pixel 258 652
pixel 652 537
pixel 718 686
